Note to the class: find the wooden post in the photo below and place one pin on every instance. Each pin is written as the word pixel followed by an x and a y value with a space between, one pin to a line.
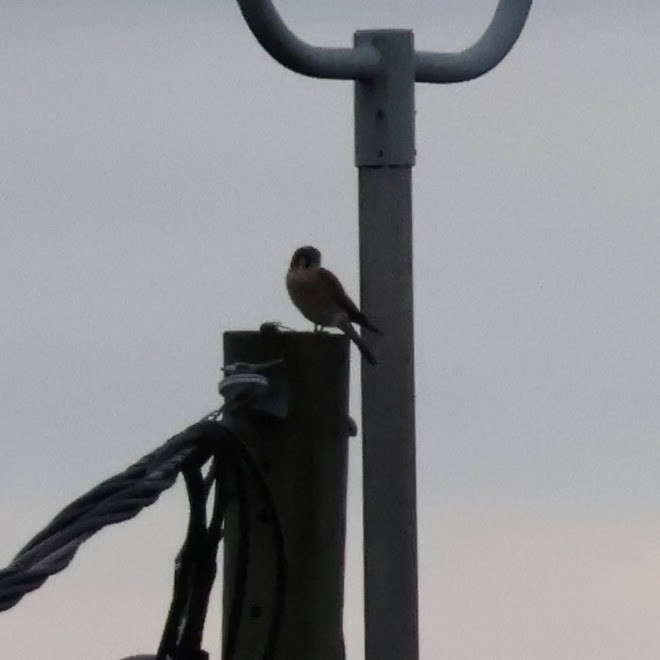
pixel 304 460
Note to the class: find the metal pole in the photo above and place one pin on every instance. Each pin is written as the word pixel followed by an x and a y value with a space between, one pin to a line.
pixel 385 153
pixel 385 68
pixel 388 419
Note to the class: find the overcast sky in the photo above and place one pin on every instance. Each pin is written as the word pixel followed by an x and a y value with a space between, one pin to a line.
pixel 157 170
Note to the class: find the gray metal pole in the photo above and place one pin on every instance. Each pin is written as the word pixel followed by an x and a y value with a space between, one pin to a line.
pixel 388 418
pixel 305 463
pixel 385 153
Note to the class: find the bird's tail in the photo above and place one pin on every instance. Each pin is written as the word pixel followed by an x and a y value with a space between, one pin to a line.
pixel 351 333
pixel 361 319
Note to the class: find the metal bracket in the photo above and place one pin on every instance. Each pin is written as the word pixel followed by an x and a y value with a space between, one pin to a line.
pixel 364 62
pixel 260 388
pixel 385 104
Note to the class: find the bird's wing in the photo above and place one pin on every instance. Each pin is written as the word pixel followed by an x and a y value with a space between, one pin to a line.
pixel 332 283
pixel 342 299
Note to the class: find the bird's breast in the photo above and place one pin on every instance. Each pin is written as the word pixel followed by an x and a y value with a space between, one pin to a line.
pixel 312 297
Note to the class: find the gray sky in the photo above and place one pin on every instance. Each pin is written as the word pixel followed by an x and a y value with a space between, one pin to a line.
pixel 157 169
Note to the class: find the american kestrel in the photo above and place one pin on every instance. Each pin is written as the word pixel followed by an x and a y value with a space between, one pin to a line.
pixel 321 298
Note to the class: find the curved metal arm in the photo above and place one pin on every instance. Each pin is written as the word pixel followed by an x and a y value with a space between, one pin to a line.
pixel 364 62
pixel 295 54
pixel 487 53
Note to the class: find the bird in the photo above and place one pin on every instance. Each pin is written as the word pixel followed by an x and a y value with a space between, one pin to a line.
pixel 321 298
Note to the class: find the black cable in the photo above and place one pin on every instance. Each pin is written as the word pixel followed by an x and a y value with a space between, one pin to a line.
pixel 117 499
pixel 204 574
pixel 121 497
pixel 185 565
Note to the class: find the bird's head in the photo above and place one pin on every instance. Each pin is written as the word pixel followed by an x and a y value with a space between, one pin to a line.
pixel 305 257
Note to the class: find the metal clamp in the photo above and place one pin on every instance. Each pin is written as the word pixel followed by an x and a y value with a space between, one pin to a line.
pixel 260 388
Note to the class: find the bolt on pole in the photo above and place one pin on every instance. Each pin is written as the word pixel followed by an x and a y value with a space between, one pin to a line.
pixel 385 67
